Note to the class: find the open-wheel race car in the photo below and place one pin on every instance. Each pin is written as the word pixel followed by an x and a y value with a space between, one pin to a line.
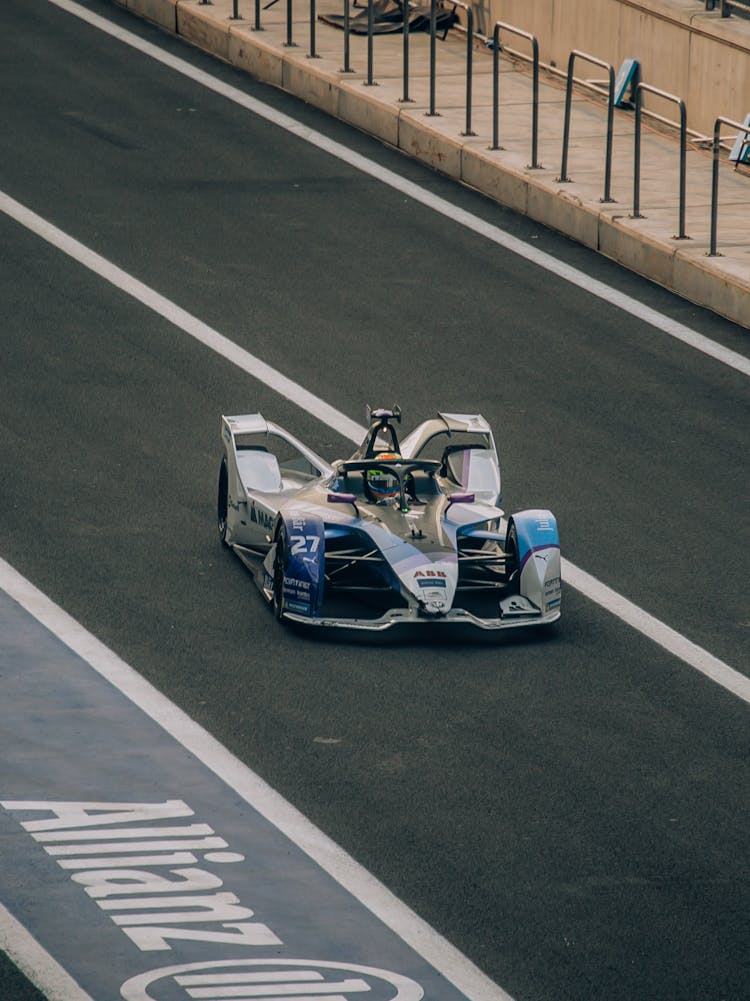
pixel 404 531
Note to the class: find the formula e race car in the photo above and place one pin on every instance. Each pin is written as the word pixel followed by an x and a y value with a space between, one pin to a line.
pixel 402 532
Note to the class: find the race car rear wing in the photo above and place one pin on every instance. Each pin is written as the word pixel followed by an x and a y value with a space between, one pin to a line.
pixel 247 433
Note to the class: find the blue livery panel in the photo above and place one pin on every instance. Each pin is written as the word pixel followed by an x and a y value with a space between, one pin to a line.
pixel 536 530
pixel 305 565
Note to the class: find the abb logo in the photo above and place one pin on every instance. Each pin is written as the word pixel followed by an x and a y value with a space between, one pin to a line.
pixel 430 573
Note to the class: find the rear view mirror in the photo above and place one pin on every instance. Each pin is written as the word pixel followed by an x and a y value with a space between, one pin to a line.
pixel 342 499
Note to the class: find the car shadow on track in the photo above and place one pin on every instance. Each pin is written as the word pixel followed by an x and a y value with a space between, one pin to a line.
pixel 430 636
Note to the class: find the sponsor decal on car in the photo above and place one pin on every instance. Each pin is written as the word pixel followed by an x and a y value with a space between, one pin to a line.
pixel 261 517
pixel 430 578
pixel 302 607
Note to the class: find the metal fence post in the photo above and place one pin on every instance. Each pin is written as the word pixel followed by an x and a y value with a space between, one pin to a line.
pixel 715 174
pixel 466 7
pixel 312 54
pixel 610 129
pixel 714 188
pixel 637 155
pixel 346 68
pixel 681 234
pixel 566 121
pixel 534 165
pixel 370 16
pixel 640 89
pixel 405 31
pixel 607 197
pixel 496 86
pixel 469 61
pixel 433 19
pixel 289 43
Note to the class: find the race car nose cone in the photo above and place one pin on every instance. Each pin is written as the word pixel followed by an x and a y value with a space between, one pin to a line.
pixel 433 585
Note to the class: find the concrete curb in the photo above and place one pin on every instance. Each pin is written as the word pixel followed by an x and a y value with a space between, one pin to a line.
pixel 716 283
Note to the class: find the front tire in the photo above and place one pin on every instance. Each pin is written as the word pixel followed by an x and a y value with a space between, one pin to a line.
pixel 279 569
pixel 512 565
pixel 222 503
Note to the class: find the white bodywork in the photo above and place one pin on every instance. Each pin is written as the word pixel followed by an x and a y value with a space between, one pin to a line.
pixel 262 458
pixel 273 480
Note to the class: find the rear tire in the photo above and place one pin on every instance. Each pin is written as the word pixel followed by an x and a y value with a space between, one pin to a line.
pixel 222 503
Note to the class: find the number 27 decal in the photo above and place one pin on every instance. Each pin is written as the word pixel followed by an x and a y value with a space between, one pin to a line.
pixel 304 544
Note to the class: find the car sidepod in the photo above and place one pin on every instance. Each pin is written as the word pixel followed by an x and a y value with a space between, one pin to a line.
pixel 539 561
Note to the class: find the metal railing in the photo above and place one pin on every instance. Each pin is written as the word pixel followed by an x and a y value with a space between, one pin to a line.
pixel 347 67
pixel 596 86
pixel 405 52
pixel 469 11
pixel 312 54
pixel 467 8
pixel 501 25
pixel 640 89
pixel 289 20
pixel 715 173
pixel 577 54
pixel 726 7
pixel 370 16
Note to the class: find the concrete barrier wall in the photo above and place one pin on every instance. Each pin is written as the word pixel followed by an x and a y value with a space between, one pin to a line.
pixel 692 53
pixel 721 283
pixel 681 48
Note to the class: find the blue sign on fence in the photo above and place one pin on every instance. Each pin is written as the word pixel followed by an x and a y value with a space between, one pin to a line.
pixel 741 149
pixel 627 77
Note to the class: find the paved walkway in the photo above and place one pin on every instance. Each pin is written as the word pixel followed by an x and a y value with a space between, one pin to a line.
pixel 647 245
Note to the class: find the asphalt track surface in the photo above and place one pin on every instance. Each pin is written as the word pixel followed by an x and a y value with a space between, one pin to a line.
pixel 571 811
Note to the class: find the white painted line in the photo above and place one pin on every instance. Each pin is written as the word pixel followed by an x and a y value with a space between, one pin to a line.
pixel 179 317
pixel 671 640
pixel 668 638
pixel 36 963
pixel 469 221
pixel 20 946
pixel 420 936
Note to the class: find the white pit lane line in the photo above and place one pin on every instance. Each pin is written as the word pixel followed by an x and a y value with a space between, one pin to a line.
pixel 32 959
pixel 672 641
pixel 472 222
pixel 36 963
pixel 47 973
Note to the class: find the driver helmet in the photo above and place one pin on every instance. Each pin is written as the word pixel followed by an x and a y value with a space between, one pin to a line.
pixel 382 484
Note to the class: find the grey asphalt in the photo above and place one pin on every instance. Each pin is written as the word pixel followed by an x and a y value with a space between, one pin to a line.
pixel 570 811
pixel 288 906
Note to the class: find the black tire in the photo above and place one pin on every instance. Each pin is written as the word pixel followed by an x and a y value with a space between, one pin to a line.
pixel 279 568
pixel 222 502
pixel 511 555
